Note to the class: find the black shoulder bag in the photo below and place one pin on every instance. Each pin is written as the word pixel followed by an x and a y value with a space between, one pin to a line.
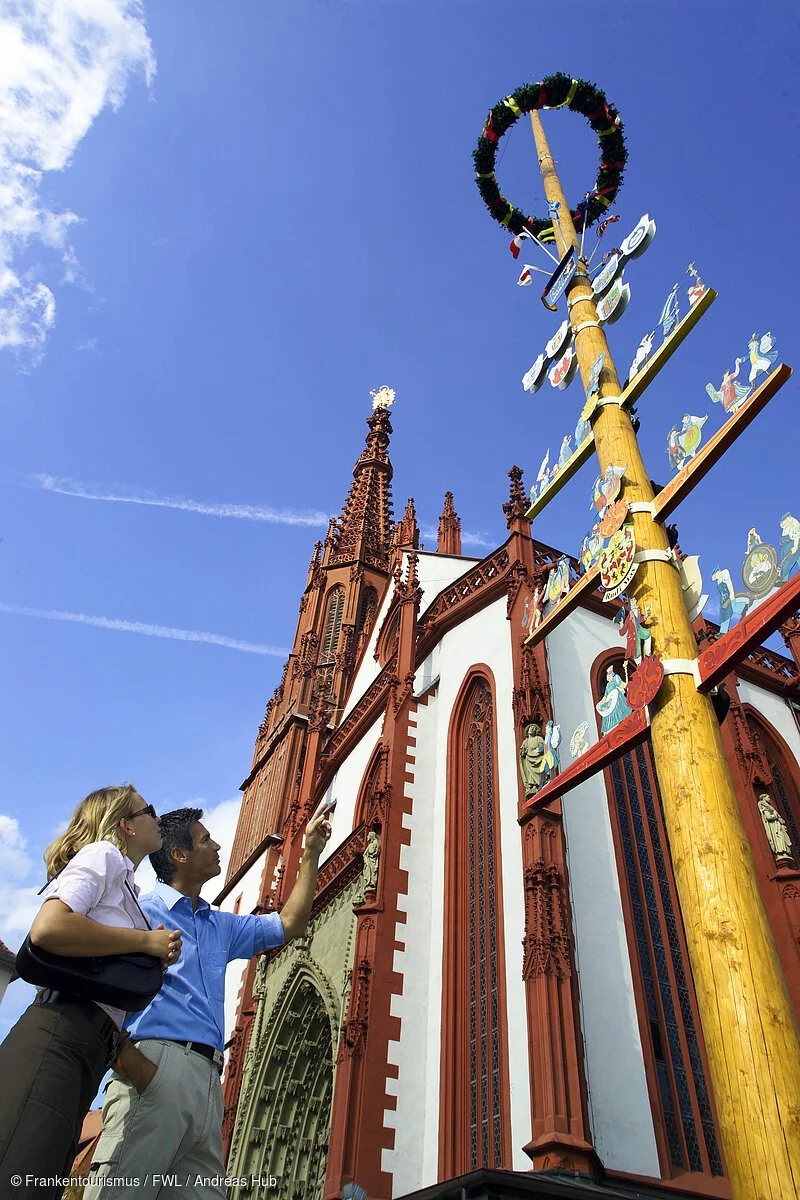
pixel 127 981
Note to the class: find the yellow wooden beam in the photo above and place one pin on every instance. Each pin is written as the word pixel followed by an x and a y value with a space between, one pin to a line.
pixel 583 453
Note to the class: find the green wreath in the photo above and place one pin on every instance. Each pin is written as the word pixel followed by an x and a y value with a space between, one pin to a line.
pixel 555 91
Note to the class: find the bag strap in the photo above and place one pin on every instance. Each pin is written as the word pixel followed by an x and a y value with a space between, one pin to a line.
pixel 138 905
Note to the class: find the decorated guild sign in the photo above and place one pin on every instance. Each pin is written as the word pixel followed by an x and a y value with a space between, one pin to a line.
pixel 613 305
pixel 562 373
pixel 617 566
pixel 559 279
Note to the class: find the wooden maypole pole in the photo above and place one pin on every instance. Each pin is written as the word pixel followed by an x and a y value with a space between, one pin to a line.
pixel 748 1023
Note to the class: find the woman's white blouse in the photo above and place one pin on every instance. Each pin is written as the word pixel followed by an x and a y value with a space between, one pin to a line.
pixel 93 883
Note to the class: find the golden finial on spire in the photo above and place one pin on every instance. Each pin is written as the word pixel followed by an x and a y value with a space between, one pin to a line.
pixel 383 398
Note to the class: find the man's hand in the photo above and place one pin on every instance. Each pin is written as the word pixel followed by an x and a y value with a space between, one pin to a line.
pixel 136 1067
pixel 165 944
pixel 318 831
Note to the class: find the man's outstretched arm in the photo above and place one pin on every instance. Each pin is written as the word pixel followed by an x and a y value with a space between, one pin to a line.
pixel 297 909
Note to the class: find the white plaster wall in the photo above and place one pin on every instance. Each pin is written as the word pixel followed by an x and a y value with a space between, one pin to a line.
pixel 345 786
pixel 413 1162
pixel 435 572
pixel 776 711
pixel 622 1125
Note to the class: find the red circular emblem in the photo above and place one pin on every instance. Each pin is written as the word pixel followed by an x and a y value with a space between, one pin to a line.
pixel 644 684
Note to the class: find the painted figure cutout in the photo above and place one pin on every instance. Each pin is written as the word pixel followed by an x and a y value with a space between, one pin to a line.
pixel 762 355
pixel 789 548
pixel 558 580
pixel 577 743
pixel 732 606
pixel 731 395
pixel 697 289
pixel 537 608
pixel 669 313
pixel 683 443
pixel 552 759
pixel 613 707
pixel 565 453
pixel 607 487
pixel 632 624
pixel 642 354
pixel 582 431
pixel 593 382
pixel 591 547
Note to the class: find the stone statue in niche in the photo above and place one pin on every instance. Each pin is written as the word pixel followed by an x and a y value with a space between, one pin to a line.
pixel 532 766
pixel 775 829
pixel 369 879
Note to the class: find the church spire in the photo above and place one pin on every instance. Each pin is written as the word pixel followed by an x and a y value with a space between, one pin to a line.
pixel 364 530
pixel 406 536
pixel 449 528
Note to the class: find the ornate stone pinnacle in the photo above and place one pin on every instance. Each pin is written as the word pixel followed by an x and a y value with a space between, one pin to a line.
pixel 517 504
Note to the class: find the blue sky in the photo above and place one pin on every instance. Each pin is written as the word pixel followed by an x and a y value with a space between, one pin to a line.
pixel 274 212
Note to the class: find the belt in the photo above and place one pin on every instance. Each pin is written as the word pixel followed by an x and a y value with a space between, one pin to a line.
pixel 93 1014
pixel 213 1055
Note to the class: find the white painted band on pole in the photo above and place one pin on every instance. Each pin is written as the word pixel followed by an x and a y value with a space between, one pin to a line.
pixel 654 555
pixel 645 506
pixel 609 400
pixel 682 666
pixel 586 324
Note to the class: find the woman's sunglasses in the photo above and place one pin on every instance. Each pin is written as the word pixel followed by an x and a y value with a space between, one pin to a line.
pixel 148 808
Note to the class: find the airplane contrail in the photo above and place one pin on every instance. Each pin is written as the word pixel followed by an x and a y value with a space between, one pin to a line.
pixel 160 631
pixel 243 512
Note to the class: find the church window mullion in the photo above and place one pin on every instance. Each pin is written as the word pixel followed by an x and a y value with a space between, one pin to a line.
pixel 697 1112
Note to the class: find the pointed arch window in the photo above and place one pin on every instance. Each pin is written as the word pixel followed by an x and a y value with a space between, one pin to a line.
pixel 333 625
pixel 475 1106
pixel 674 1052
pixel 783 790
pixel 366 614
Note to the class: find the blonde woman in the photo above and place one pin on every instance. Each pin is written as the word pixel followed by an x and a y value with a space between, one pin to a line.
pixel 52 1061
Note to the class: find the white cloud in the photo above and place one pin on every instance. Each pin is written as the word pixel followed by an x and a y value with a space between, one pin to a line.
pixel 159 631
pixel 61 63
pixel 18 898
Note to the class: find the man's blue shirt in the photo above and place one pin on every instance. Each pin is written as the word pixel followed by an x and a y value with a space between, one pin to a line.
pixel 191 1004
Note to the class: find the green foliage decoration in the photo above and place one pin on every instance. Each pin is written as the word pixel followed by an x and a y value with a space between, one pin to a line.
pixel 554 91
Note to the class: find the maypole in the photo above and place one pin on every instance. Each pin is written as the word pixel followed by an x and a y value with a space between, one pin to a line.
pixel 747 1018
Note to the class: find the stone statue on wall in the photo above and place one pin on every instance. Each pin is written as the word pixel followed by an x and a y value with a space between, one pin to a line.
pixel 775 829
pixel 531 759
pixel 369 879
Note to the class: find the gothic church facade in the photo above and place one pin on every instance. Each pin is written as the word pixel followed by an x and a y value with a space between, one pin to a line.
pixel 483 988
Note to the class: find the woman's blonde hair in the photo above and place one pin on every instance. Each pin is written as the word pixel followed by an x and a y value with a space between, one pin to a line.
pixel 96 819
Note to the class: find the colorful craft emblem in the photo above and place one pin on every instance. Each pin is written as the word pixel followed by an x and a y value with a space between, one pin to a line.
pixel 614 303
pixel 641 356
pixel 633 623
pixel 617 566
pixel 683 443
pixel 612 519
pixel 558 281
pixel 645 683
pixel 577 743
pixel 730 394
pixel 607 274
pixel 607 487
pixel 639 238
pixel 532 380
pixel 562 373
pixel 589 407
pixel 558 339
pixel 762 354
pixel 593 382
pixel 760 573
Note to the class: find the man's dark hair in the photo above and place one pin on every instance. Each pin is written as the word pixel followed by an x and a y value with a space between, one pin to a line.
pixel 175 835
